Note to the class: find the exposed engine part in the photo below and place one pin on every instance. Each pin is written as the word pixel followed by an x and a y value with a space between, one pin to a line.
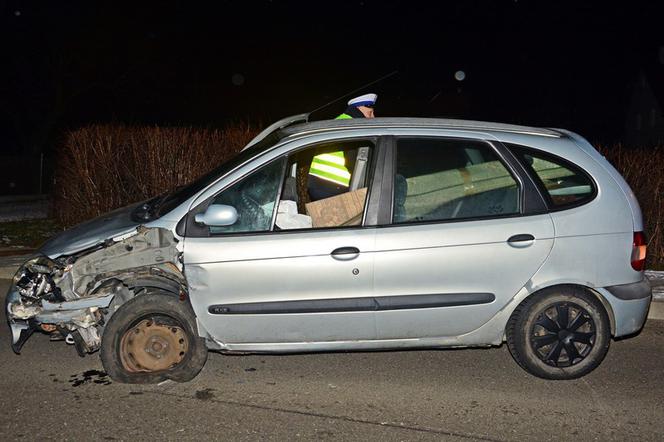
pixel 35 280
pixel 86 340
pixel 147 248
pixel 56 335
pixel 77 294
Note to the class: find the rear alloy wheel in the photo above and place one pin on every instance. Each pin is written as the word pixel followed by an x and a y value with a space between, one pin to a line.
pixel 560 333
pixel 151 338
pixel 563 334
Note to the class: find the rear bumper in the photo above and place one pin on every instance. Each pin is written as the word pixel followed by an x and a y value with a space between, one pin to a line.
pixel 636 290
pixel 630 304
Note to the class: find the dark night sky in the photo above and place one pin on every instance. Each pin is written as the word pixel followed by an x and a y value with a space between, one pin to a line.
pixel 561 64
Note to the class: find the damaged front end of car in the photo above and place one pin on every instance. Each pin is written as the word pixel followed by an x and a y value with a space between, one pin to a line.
pixel 72 297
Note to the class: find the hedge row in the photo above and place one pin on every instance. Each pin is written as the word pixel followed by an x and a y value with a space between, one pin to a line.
pixel 108 166
pixel 643 169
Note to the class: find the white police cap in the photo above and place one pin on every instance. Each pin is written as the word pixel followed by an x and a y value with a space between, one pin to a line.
pixel 368 100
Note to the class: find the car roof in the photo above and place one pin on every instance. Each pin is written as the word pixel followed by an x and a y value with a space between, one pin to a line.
pixel 407 122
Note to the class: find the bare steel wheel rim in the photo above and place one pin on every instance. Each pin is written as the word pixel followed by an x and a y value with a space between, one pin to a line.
pixel 153 344
pixel 563 334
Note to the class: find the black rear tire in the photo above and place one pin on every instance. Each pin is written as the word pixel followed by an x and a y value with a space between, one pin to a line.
pixel 170 347
pixel 559 333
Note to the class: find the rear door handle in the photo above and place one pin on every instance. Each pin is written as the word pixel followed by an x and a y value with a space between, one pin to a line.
pixel 345 253
pixel 521 238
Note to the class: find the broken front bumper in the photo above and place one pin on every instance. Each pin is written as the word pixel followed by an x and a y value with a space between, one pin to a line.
pixel 76 295
pixel 24 319
pixel 20 329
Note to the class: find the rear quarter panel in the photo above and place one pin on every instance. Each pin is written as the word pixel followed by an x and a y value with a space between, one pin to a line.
pixel 593 242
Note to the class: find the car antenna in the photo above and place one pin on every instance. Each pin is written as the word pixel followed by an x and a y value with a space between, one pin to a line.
pixel 353 91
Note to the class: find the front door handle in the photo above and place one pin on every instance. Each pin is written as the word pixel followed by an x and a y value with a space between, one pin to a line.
pixel 345 253
pixel 521 238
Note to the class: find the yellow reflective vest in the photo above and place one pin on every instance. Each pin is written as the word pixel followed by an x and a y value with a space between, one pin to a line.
pixel 331 166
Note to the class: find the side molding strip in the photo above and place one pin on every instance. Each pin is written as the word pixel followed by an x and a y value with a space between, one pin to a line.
pixel 382 303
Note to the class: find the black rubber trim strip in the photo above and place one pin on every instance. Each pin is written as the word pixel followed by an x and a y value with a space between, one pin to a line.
pixel 533 202
pixel 387 195
pixel 374 197
pixel 636 290
pixel 353 304
pixel 431 301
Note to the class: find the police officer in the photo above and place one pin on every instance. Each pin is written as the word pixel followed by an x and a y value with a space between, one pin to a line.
pixel 360 107
pixel 328 175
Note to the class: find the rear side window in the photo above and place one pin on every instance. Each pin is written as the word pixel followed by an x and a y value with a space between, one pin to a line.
pixel 442 179
pixel 565 184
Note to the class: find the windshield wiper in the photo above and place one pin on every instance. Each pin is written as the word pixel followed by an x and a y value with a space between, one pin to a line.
pixel 148 210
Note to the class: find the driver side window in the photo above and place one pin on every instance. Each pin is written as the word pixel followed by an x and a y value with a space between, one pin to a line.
pixel 254 197
pixel 325 186
pixel 322 186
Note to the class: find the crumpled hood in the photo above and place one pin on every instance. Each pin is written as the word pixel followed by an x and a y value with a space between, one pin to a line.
pixel 90 233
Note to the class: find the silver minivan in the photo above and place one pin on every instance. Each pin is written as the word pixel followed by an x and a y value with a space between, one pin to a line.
pixel 446 233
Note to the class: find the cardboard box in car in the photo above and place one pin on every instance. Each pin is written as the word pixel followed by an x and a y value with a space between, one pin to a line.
pixel 340 210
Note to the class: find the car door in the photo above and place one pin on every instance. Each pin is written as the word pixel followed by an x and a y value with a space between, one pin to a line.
pixel 256 287
pixel 465 232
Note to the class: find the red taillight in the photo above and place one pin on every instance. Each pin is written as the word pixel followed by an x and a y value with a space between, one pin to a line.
pixel 639 251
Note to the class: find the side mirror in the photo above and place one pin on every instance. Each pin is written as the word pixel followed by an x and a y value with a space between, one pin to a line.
pixel 217 215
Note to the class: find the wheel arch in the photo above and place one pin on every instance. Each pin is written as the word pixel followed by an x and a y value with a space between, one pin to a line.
pixel 165 285
pixel 166 278
pixel 136 282
pixel 591 291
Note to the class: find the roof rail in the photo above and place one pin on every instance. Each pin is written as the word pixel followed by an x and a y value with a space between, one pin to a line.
pixel 284 122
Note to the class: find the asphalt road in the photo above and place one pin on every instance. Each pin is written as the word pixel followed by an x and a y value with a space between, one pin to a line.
pixel 49 392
